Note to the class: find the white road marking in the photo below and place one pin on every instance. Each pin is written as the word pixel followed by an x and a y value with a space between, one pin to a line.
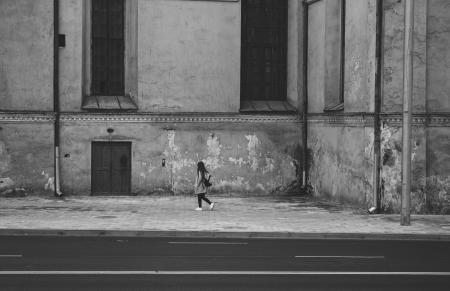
pixel 343 257
pixel 291 273
pixel 11 256
pixel 207 243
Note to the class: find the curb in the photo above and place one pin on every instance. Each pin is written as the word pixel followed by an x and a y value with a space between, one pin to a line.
pixel 224 235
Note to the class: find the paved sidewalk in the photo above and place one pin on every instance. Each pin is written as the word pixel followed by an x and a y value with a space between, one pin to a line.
pixel 232 217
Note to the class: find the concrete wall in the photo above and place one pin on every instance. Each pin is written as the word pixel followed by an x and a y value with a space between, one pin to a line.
pixel 294 53
pixel 360 60
pixel 438 57
pixel 430 169
pixel 316 57
pixel 340 144
pixel 393 56
pixel 71 56
pixel 341 160
pixel 189 56
pixel 256 158
pixel 431 145
pixel 26 156
pixel 26 55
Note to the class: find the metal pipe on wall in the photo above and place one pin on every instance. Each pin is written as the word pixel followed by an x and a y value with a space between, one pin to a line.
pixel 56 107
pixel 305 96
pixel 377 123
pixel 407 115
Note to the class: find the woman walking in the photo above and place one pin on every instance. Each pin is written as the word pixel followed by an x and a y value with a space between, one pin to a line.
pixel 200 188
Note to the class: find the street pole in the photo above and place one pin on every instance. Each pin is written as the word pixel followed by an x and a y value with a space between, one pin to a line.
pixel 407 115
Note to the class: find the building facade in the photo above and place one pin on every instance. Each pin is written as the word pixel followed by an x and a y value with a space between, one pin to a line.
pixel 131 94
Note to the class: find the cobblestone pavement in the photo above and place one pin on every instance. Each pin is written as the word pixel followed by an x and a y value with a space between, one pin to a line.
pixel 285 215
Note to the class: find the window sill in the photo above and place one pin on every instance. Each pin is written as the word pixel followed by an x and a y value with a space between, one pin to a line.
pixel 266 106
pixel 121 103
pixel 338 107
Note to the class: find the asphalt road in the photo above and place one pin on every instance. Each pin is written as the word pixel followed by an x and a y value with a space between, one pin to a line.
pixel 133 263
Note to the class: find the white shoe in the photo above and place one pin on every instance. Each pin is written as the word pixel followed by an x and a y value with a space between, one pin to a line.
pixel 211 206
pixel 198 209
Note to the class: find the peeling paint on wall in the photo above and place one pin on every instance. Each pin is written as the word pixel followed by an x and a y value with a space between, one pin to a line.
pixel 253 157
pixel 270 167
pixel 5 159
pixel 391 178
pixel 428 194
pixel 239 162
pixel 234 184
pixel 50 184
pixel 213 161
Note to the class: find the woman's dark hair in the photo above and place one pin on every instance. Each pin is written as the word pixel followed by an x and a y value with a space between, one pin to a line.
pixel 201 169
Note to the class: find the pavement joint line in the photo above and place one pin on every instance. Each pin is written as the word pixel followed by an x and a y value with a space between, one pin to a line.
pixel 290 273
pixel 343 257
pixel 223 234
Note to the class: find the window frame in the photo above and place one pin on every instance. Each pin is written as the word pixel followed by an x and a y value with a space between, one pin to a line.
pixel 243 98
pixel 130 56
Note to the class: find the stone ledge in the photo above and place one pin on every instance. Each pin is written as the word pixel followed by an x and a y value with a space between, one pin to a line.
pixel 342 119
pixel 180 118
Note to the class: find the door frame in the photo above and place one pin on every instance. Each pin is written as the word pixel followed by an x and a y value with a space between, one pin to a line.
pixel 92 165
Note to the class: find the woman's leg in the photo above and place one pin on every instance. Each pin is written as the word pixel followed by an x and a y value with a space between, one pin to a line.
pixel 206 199
pixel 199 198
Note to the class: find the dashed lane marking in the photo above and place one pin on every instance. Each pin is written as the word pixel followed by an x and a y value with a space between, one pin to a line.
pixel 341 257
pixel 207 243
pixel 11 256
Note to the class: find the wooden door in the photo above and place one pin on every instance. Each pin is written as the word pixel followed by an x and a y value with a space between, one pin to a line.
pixel 111 168
pixel 264 50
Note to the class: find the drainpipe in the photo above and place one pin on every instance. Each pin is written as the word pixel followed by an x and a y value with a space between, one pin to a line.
pixel 305 95
pixel 405 218
pixel 377 123
pixel 56 109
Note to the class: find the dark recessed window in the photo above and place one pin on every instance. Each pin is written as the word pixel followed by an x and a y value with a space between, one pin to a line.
pixel 264 49
pixel 107 47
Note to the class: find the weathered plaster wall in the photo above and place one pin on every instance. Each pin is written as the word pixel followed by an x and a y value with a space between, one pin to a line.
pixel 293 73
pixel 360 61
pixel 188 52
pixel 438 170
pixel 316 57
pixel 341 163
pixel 393 56
pixel 391 171
pixel 252 158
pixel 71 56
pixel 26 55
pixel 332 53
pixel 324 55
pixel 438 61
pixel 430 169
pixel 430 174
pixel 26 156
pixel 189 56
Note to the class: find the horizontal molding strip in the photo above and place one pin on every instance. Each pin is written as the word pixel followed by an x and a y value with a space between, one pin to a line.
pixel 16 117
pixel 422 119
pixel 26 117
pixel 314 119
pixel 341 119
pixel 368 119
